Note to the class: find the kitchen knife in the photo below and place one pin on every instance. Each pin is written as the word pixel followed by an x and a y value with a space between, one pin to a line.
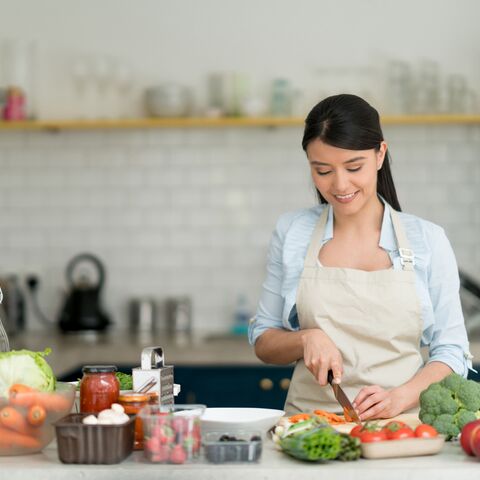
pixel 343 400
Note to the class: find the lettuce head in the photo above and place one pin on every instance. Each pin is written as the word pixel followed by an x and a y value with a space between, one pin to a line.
pixel 26 367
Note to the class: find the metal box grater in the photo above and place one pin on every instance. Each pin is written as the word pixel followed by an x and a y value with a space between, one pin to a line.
pixel 154 371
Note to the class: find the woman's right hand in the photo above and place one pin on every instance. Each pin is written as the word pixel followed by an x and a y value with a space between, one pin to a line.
pixel 320 355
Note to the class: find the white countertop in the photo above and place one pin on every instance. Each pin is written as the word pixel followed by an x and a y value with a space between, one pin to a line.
pixel 450 463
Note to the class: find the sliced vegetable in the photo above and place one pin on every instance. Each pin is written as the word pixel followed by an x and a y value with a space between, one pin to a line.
pixel 331 418
pixel 299 417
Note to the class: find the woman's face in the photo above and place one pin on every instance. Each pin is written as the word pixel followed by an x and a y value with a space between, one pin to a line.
pixel 347 179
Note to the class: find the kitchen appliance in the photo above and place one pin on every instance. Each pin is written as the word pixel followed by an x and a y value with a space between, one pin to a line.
pixel 153 368
pixel 4 343
pixel 179 317
pixel 82 310
pixel 12 308
pixel 343 399
pixel 142 315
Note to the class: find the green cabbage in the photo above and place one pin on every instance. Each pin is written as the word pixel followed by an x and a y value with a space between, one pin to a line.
pixel 26 367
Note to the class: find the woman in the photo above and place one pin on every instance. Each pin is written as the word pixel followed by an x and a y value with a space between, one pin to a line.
pixel 355 286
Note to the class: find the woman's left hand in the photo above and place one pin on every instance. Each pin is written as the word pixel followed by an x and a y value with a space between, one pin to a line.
pixel 376 402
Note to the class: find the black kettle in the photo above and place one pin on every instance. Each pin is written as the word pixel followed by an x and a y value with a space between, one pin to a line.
pixel 82 309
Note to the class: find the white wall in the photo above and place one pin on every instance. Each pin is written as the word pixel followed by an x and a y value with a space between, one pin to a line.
pixel 184 40
pixel 191 211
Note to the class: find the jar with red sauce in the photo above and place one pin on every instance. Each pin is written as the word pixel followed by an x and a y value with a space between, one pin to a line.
pixel 99 388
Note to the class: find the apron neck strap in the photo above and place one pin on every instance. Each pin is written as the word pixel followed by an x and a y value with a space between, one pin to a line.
pixel 407 257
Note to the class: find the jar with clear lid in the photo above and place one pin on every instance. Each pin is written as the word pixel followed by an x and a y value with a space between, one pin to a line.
pixel 99 388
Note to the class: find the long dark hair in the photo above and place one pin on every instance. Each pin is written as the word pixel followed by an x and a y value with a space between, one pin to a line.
pixel 347 121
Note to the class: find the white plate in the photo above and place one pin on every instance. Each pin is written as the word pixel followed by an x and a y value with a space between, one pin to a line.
pixel 235 419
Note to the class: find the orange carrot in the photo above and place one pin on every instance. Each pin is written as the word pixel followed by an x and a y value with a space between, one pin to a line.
pixel 331 418
pixel 36 415
pixel 50 401
pixel 10 439
pixel 17 388
pixel 299 417
pixel 14 420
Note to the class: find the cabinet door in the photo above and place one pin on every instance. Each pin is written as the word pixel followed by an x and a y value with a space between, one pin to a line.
pixel 224 386
pixel 233 386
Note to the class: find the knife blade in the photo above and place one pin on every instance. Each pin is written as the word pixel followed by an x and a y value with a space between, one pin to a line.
pixel 343 400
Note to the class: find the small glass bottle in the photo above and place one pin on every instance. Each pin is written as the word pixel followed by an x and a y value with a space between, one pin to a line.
pixel 133 402
pixel 99 388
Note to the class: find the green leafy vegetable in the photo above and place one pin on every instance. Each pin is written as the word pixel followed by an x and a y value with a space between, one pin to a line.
pixel 28 368
pixel 125 380
pixel 316 444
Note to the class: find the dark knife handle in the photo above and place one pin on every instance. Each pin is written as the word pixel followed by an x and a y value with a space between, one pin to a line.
pixel 330 377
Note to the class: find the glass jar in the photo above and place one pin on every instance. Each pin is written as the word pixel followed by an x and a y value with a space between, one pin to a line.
pixel 133 402
pixel 99 388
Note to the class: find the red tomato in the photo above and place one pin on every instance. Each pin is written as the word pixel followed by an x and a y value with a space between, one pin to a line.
pixel 395 425
pixel 425 431
pixel 356 431
pixel 466 436
pixel 475 440
pixel 369 437
pixel 401 433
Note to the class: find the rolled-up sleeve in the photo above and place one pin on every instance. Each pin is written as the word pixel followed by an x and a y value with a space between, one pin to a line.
pixel 449 342
pixel 271 303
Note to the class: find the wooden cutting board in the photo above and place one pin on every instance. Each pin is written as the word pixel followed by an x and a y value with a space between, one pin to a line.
pixel 411 419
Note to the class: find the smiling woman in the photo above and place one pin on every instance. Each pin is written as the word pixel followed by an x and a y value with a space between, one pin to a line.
pixel 354 285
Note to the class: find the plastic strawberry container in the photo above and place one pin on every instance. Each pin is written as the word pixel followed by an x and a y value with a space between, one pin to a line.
pixel 171 434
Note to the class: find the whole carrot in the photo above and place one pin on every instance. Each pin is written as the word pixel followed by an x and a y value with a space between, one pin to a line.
pixel 52 402
pixel 14 420
pixel 10 439
pixel 36 415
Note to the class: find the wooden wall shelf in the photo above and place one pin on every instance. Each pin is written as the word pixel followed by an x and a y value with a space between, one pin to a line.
pixel 199 122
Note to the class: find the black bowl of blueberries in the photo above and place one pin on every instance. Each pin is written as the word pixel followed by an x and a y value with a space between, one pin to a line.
pixel 232 447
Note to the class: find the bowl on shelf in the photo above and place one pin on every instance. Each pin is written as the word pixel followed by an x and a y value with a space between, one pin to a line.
pixel 168 100
pixel 239 419
pixel 26 419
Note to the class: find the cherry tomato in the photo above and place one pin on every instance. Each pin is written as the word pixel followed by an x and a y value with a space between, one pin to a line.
pixel 356 431
pixel 401 433
pixel 373 436
pixel 425 431
pixel 395 425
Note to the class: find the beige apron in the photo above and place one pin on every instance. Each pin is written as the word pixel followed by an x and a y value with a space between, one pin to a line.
pixel 372 317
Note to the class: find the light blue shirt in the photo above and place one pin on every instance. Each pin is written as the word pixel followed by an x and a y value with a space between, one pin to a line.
pixel 436 272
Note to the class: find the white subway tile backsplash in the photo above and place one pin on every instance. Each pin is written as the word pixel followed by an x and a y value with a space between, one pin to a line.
pixel 177 211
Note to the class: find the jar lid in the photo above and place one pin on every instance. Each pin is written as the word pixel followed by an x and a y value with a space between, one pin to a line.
pixel 132 397
pixel 99 368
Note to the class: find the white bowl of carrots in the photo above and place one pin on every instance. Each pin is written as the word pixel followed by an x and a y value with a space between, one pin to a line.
pixel 27 417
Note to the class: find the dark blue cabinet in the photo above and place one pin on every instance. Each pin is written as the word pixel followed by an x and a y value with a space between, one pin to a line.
pixel 226 385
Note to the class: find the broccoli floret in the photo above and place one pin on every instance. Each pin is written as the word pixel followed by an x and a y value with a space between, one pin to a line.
pixel 426 417
pixel 452 382
pixel 468 394
pixel 437 400
pixel 445 424
pixel 462 417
